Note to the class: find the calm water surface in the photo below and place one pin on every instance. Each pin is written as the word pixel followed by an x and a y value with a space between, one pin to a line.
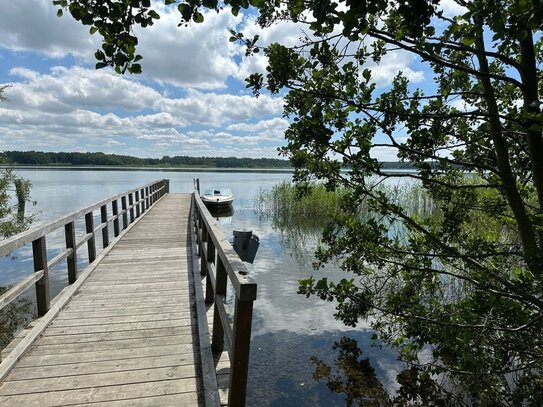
pixel 287 328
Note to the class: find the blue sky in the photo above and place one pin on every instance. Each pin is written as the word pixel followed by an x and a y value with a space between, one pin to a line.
pixel 190 100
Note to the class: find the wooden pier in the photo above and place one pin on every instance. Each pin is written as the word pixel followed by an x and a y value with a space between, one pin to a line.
pixel 132 329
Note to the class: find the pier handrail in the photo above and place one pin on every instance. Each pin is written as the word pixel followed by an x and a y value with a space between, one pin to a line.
pixel 133 203
pixel 220 263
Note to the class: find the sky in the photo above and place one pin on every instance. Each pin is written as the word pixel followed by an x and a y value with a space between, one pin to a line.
pixel 190 100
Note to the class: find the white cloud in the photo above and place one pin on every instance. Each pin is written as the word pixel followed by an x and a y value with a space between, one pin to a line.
pixel 271 124
pixel 451 8
pixel 216 109
pixel 72 109
pixel 197 56
pixel 32 25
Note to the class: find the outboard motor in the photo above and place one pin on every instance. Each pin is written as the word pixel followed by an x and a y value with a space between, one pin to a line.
pixel 245 244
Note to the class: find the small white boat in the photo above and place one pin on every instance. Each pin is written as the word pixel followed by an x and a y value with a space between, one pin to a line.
pixel 218 198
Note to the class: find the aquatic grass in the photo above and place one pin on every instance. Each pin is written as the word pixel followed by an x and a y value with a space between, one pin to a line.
pixel 308 204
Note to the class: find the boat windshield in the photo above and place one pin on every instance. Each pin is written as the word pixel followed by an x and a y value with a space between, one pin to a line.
pixel 218 191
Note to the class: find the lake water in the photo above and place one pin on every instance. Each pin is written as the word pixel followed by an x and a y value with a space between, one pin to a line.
pixel 288 329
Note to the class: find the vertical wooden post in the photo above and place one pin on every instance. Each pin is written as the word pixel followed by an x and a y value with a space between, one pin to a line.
pixel 203 258
pixel 125 213
pixel 105 229
pixel 39 254
pixel 137 203
pixel 115 212
pixel 198 185
pixel 210 257
pixel 142 197
pixel 147 197
pixel 71 260
pixel 167 187
pixel 239 364
pixel 91 243
pixel 217 342
pixel 197 227
pixel 152 194
pixel 131 204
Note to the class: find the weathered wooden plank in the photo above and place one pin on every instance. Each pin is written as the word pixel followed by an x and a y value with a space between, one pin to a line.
pixel 96 296
pixel 128 287
pixel 32 360
pixel 74 313
pixel 87 306
pixel 57 349
pixel 118 327
pixel 172 400
pixel 76 369
pixel 102 394
pixel 115 335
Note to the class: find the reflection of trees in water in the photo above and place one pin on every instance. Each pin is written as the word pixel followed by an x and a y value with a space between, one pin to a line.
pixel 353 376
pixel 13 317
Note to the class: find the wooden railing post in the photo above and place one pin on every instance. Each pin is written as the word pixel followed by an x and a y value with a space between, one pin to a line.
pixel 142 197
pixel 71 260
pixel 241 345
pixel 166 190
pixel 91 243
pixel 125 213
pixel 115 212
pixel 137 203
pixel 221 279
pixel 131 204
pixel 39 254
pixel 147 197
pixel 203 258
pixel 210 257
pixel 105 229
pixel 197 225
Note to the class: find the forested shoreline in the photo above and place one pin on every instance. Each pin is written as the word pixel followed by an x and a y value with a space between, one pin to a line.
pixel 102 159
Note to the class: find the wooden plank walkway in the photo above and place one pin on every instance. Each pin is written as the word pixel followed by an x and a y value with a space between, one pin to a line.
pixel 128 336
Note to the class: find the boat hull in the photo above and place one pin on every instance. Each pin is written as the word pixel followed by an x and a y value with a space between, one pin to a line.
pixel 217 203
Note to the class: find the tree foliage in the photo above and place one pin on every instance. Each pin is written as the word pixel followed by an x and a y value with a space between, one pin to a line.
pixel 457 300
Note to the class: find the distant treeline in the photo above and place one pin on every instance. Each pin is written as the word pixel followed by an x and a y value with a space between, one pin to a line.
pixel 87 159
pixel 47 158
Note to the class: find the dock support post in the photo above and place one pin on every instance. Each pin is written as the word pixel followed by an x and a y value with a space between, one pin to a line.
pixel 221 279
pixel 167 186
pixel 71 260
pixel 243 316
pixel 125 213
pixel 91 243
pixel 210 258
pixel 115 211
pixel 105 229
pixel 137 203
pixel 39 254
pixel 131 204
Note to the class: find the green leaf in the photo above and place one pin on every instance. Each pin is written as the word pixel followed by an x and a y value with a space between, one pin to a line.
pixel 59 13
pixel 198 17
pixel 93 30
pixel 468 40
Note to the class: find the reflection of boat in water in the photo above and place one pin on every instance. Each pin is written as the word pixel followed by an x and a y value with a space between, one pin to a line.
pixel 218 198
pixel 221 211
